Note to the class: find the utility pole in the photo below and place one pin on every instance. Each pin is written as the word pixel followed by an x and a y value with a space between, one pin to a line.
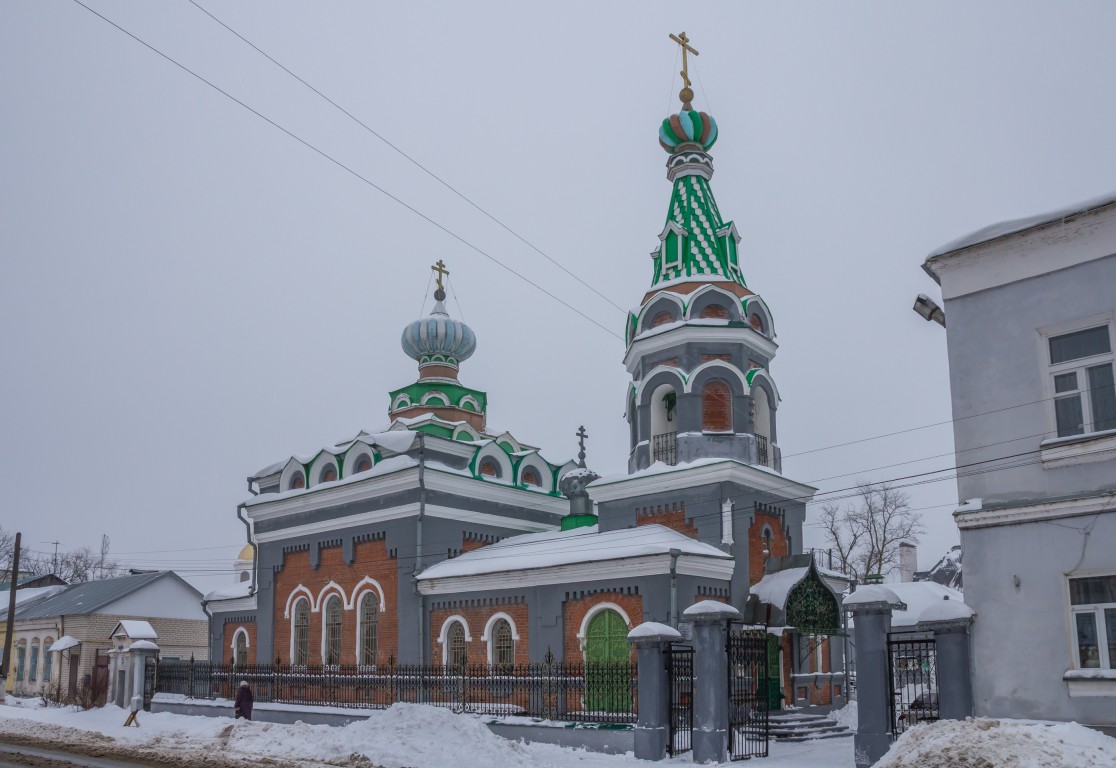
pixel 6 663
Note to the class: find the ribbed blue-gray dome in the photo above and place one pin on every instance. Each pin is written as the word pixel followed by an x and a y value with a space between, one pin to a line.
pixel 439 339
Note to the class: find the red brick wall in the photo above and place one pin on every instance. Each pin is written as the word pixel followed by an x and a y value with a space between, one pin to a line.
pixel 779 545
pixel 671 515
pixel 370 558
pixel 716 407
pixel 574 613
pixel 226 646
pixel 476 617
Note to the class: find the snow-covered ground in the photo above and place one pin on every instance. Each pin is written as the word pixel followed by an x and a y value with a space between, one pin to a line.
pixel 429 737
pixel 405 735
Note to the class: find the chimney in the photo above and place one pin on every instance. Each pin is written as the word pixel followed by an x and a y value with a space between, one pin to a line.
pixel 908 561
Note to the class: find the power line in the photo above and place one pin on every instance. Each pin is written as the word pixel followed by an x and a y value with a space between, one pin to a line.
pixel 345 167
pixel 415 162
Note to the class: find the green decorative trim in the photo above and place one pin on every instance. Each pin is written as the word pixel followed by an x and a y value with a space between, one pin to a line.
pixel 434 429
pixel 569 522
pixel 708 250
pixel 812 606
pixel 455 392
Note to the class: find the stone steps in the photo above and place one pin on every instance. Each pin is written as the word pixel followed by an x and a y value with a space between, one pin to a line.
pixel 795 726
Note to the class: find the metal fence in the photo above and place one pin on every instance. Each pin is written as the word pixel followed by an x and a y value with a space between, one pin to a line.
pixel 664 448
pixel 680 666
pixel 748 693
pixel 583 692
pixel 913 676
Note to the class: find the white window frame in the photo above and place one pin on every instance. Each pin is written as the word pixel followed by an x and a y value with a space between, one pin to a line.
pixel 1078 366
pixel 1097 610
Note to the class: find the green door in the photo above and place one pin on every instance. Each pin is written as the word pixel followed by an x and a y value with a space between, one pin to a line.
pixel 774 681
pixel 607 664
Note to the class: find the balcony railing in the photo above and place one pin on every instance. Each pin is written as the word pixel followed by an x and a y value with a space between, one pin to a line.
pixel 664 448
pixel 761 451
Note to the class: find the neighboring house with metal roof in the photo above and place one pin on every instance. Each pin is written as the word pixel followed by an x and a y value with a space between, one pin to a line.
pixel 90 613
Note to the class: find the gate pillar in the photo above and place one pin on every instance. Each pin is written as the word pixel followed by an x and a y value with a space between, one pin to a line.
pixel 950 621
pixel 651 641
pixel 711 688
pixel 871 607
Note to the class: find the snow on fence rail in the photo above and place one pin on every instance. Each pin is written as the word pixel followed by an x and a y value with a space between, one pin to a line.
pixel 584 692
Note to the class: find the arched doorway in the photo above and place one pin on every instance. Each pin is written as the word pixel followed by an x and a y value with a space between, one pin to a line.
pixel 607 663
pixel 664 425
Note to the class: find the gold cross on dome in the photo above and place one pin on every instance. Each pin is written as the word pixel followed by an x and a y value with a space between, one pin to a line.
pixel 684 41
pixel 440 268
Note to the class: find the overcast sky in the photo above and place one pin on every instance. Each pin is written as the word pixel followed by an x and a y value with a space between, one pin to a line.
pixel 188 294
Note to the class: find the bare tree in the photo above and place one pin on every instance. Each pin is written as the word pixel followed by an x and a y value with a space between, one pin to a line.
pixel 866 534
pixel 83 564
pixel 27 562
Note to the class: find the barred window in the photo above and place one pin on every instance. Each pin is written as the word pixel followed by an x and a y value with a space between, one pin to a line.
pixel 298 480
pixel 369 617
pixel 455 645
pixel 240 649
pixel 364 463
pixel 333 631
pixel 531 477
pixel 301 630
pixel 328 474
pixel 503 646
pixel 489 468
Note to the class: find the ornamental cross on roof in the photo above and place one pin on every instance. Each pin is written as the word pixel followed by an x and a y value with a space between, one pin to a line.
pixel 686 94
pixel 581 435
pixel 440 268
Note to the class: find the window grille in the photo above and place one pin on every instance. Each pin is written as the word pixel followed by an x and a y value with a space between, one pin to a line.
pixel 369 618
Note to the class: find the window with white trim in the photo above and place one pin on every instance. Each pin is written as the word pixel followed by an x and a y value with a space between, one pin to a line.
pixel 503 644
pixel 1093 605
pixel 332 650
pixel 1082 381
pixel 455 645
pixel 300 631
pixel 369 623
pixel 240 649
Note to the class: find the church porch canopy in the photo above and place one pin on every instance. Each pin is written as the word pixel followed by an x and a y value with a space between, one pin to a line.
pixel 794 595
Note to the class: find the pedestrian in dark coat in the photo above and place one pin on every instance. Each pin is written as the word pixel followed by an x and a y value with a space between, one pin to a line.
pixel 243 703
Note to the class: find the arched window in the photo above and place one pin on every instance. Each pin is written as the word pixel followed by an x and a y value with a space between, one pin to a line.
pixel 364 463
pixel 503 645
pixel 328 473
pixel 332 651
pixel 298 480
pixel 244 576
pixel 300 645
pixel 756 322
pixel 489 468
pixel 47 657
pixel 662 319
pixel 531 477
pixel 33 671
pixel 240 649
pixel 716 407
pixel 766 541
pixel 21 660
pixel 455 645
pixel 369 618
pixel 715 311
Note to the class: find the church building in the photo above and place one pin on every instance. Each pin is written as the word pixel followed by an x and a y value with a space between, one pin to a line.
pixel 439 538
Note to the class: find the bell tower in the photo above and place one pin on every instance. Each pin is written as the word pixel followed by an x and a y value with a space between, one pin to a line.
pixel 700 345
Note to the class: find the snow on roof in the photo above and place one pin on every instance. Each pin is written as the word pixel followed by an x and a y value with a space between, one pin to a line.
pixel 143 645
pixel 654 629
pixel 995 231
pixel 773 588
pixel 946 609
pixel 658 468
pixel 918 596
pixel 64 643
pixel 579 545
pixel 136 629
pixel 395 441
pixel 385 467
pixel 230 592
pixel 29 594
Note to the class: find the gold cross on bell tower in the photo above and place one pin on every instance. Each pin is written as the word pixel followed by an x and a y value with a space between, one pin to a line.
pixel 687 93
pixel 440 268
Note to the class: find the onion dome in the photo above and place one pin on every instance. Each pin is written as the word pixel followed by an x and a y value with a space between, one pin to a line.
pixel 439 340
pixel 689 129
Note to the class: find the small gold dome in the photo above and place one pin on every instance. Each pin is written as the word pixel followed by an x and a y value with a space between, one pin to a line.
pixel 246 553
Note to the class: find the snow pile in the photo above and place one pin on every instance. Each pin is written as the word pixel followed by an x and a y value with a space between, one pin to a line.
pixel 985 743
pixel 847 716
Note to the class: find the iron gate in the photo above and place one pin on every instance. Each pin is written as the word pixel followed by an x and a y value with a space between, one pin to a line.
pixel 748 693
pixel 150 670
pixel 680 670
pixel 913 677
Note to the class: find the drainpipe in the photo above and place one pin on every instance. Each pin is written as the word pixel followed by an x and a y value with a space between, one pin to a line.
pixel 674 554
pixel 255 548
pixel 418 547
